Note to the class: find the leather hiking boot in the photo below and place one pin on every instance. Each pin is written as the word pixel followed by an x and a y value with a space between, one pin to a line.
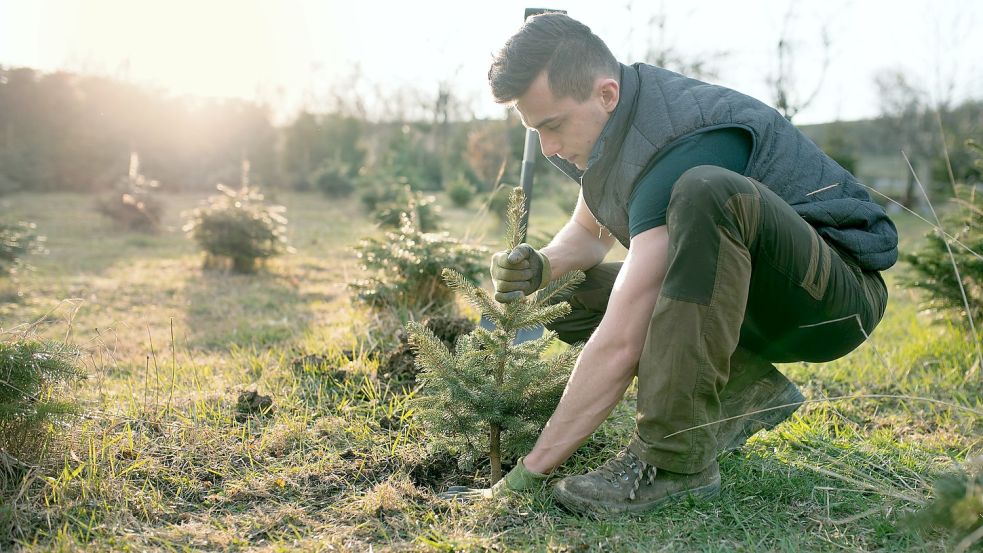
pixel 626 483
pixel 767 402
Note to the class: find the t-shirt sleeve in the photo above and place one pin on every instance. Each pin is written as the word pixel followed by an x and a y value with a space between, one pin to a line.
pixel 728 147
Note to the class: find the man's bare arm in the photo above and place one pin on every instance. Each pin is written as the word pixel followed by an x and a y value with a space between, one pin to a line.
pixel 581 244
pixel 609 361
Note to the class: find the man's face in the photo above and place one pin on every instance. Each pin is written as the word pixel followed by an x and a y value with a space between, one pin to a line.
pixel 567 128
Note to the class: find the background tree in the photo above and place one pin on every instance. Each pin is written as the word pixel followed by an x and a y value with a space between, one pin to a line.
pixel 61 131
pixel 33 375
pixel 948 288
pixel 907 124
pixel 18 240
pixel 660 48
pixel 134 203
pixel 322 143
pixel 789 100
pixel 489 152
pixel 403 269
pixel 237 226
pixel 838 145
pixel 962 163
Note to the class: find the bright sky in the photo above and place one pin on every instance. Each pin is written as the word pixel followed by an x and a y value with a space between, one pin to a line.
pixel 293 53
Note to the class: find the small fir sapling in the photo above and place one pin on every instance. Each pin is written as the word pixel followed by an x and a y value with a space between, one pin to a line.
pixel 33 378
pixel 134 204
pixel 491 395
pixel 404 268
pixel 932 263
pixel 421 206
pixel 18 240
pixel 957 504
pixel 238 226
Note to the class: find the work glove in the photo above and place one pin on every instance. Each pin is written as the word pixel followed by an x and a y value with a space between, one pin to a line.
pixel 518 479
pixel 519 273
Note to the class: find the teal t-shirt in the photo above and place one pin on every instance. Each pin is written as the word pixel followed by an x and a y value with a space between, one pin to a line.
pixel 728 147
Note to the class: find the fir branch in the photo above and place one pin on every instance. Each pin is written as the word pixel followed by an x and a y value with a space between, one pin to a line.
pixel 475 295
pixel 543 316
pixel 430 351
pixel 565 358
pixel 485 338
pixel 516 229
pixel 34 378
pixel 559 287
pixel 535 348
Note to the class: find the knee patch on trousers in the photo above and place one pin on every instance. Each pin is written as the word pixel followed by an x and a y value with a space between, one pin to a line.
pixel 708 204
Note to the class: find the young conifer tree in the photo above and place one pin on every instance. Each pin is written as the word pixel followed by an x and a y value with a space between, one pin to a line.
pixel 948 267
pixel 491 394
pixel 33 376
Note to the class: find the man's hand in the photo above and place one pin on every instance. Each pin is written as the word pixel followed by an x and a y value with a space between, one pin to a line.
pixel 519 273
pixel 518 479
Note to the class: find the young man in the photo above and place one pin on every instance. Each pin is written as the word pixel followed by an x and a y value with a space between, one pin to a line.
pixel 747 245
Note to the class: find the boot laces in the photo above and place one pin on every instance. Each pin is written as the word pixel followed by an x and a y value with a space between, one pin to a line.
pixel 626 467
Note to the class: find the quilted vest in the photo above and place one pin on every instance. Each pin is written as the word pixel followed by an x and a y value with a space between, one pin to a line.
pixel 657 107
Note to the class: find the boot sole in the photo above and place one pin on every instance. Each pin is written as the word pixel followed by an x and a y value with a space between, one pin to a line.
pixel 580 505
pixel 790 398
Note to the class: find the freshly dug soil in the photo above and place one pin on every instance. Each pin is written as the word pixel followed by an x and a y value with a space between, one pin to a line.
pixel 438 472
pixel 251 403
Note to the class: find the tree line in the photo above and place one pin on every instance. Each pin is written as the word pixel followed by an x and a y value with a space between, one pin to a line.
pixel 62 131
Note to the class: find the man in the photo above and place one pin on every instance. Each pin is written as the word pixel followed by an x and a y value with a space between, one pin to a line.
pixel 746 245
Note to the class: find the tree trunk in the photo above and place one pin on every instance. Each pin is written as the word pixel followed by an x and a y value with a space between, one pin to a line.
pixel 494 430
pixel 909 192
pixel 496 453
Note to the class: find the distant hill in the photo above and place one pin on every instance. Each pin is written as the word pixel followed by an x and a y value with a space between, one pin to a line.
pixel 877 162
pixel 875 146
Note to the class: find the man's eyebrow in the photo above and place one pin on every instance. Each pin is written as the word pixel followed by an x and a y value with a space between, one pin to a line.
pixel 545 122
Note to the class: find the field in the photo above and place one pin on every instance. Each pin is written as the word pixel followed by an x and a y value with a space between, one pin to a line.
pixel 160 460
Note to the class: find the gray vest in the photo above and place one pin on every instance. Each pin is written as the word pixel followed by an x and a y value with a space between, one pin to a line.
pixel 658 107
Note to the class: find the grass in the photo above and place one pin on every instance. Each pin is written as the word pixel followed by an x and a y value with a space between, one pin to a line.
pixel 160 461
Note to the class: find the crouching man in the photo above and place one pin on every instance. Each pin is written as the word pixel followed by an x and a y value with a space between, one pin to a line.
pixel 747 245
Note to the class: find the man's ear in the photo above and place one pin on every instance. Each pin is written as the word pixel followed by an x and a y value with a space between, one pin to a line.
pixel 608 90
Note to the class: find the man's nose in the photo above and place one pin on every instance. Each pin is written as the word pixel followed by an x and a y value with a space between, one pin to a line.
pixel 550 146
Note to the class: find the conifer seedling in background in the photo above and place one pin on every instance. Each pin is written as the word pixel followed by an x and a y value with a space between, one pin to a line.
pixel 490 395
pixel 33 378
pixel 948 267
pixel 238 226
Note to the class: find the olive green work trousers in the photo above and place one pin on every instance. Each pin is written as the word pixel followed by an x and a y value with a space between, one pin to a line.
pixel 744 271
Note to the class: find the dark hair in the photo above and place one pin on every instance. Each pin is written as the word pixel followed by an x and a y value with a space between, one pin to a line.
pixel 571 54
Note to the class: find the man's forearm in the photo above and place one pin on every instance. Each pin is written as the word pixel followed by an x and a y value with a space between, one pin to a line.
pixel 609 361
pixel 575 248
pixel 598 382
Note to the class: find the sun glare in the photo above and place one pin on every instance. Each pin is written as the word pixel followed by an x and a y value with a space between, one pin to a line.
pixel 201 48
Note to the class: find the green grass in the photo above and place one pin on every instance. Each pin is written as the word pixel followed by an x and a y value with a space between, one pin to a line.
pixel 161 463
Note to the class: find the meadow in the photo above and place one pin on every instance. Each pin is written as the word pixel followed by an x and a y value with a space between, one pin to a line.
pixel 163 458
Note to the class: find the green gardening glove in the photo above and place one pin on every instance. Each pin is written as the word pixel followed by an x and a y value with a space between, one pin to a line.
pixel 519 273
pixel 518 479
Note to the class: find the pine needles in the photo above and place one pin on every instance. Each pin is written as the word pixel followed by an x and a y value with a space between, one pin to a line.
pixel 405 267
pixel 16 242
pixel 30 373
pixel 958 504
pixel 491 394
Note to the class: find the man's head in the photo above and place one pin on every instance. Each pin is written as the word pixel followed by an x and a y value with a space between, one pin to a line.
pixel 562 79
